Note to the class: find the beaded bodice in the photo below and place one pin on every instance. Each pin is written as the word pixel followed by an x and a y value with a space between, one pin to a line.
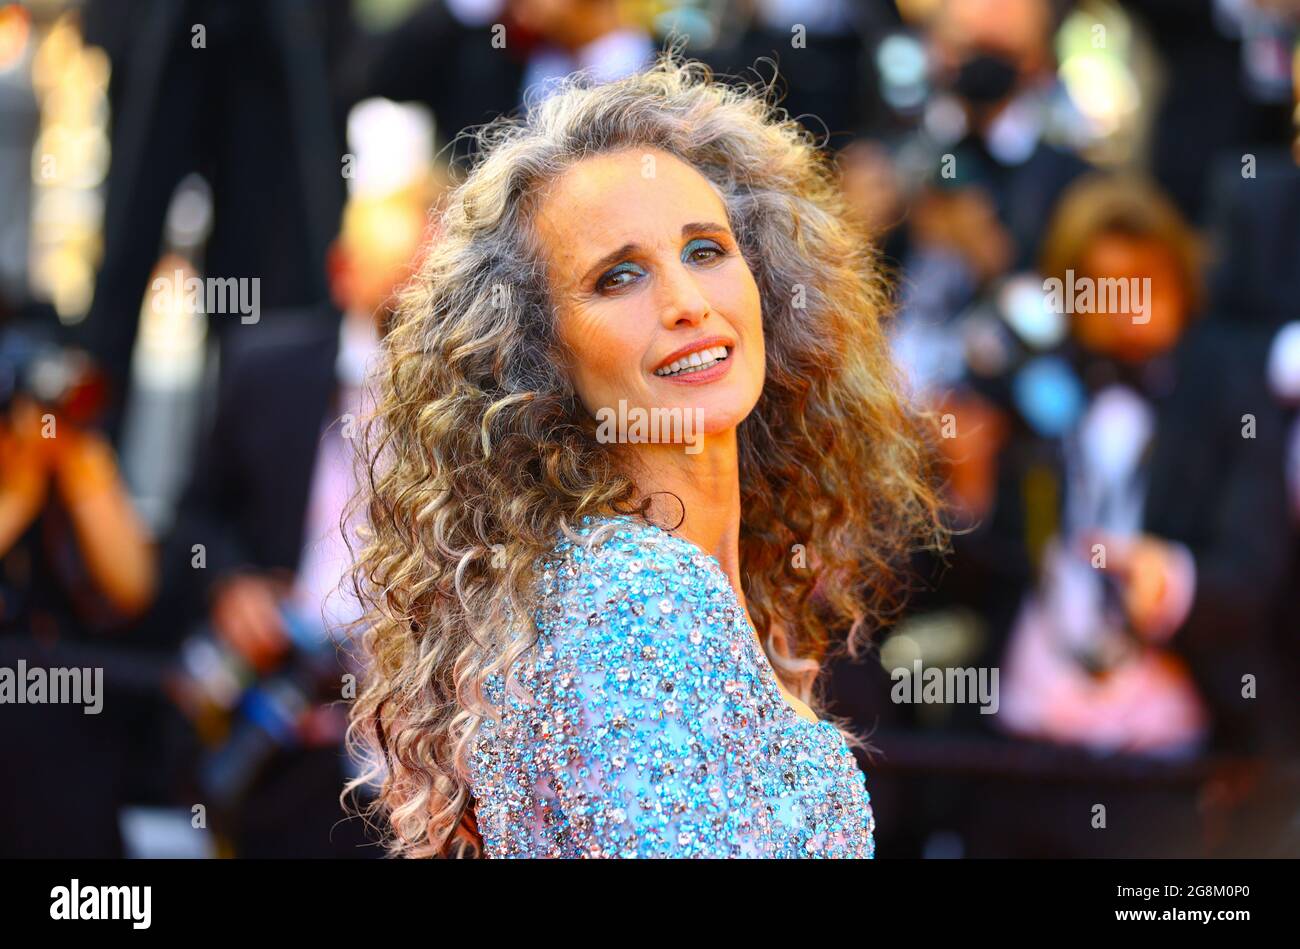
pixel 656 727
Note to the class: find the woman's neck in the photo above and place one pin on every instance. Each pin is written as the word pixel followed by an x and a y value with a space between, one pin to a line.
pixel 708 485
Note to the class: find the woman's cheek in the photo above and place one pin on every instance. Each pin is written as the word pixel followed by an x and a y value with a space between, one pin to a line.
pixel 609 359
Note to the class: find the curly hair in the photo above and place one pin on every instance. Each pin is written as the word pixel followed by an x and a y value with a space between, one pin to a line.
pixel 478 454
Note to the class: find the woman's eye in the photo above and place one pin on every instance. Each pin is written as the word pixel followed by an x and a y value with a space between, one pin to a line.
pixel 702 250
pixel 614 279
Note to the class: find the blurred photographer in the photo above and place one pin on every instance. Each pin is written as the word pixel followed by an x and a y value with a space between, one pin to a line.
pixel 77 566
pixel 994 61
pixel 1152 611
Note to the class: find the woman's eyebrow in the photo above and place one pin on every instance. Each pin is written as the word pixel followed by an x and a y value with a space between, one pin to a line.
pixel 688 230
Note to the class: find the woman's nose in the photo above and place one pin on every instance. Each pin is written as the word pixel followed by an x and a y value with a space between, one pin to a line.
pixel 682 301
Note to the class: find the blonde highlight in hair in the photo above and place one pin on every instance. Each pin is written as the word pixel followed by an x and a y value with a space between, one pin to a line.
pixel 478 454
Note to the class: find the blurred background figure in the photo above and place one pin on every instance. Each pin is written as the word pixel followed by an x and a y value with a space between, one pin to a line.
pixel 470 60
pixel 1227 85
pixel 240 94
pixel 77 566
pixel 1166 556
pixel 265 510
pixel 992 162
pixel 995 59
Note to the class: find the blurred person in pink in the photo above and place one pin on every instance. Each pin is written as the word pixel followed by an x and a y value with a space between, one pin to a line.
pixel 1147 631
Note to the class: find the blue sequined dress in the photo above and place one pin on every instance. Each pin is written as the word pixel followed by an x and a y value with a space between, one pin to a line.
pixel 657 728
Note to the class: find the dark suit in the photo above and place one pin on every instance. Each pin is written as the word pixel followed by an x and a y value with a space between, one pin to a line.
pixel 248 495
pixel 1023 194
pixel 1256 223
pixel 1224 496
pixel 1256 283
pixel 1205 109
pixel 247 504
pixel 252 112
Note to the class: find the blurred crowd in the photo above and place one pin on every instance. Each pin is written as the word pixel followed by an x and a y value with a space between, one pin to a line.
pixel 1090 212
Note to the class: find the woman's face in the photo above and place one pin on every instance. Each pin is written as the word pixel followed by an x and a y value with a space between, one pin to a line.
pixel 646 275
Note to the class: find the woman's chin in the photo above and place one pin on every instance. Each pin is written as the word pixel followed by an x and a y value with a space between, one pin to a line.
pixel 720 409
pixel 731 397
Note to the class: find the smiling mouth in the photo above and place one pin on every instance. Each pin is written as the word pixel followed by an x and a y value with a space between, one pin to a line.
pixel 697 361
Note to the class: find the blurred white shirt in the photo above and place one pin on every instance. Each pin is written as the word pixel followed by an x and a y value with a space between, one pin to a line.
pixel 317 597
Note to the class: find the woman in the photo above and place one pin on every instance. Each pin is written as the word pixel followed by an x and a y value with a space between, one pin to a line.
pixel 587 642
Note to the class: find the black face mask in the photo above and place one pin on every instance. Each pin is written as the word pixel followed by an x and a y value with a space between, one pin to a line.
pixel 985 78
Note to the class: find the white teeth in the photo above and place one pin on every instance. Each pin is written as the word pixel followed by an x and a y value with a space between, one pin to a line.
pixel 701 359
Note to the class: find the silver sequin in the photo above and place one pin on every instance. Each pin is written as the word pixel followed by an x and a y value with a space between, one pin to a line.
pixel 656 732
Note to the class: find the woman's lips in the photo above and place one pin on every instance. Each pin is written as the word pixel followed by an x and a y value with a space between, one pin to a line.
pixel 716 371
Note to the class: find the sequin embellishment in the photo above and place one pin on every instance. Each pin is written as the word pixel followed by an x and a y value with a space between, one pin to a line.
pixel 656 727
